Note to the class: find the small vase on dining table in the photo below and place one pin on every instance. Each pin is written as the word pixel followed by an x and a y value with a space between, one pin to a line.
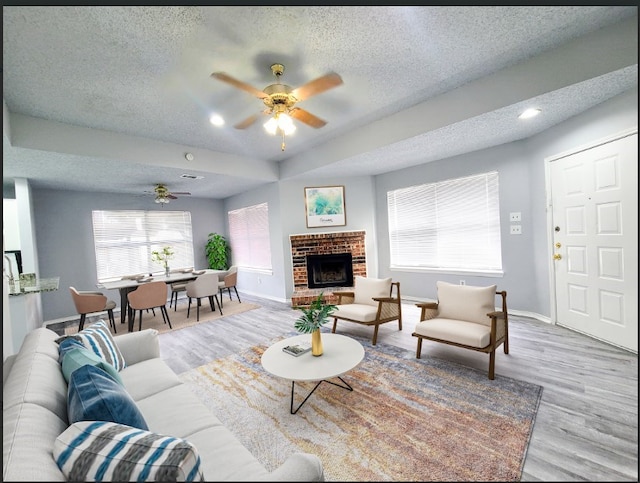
pixel 316 343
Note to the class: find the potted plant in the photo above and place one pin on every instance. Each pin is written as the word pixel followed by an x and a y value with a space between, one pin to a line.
pixel 163 256
pixel 313 317
pixel 217 251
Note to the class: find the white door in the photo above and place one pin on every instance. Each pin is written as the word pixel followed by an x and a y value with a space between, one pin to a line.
pixel 594 198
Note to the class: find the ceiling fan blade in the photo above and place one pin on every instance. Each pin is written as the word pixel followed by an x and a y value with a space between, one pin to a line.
pixel 239 84
pixel 247 122
pixel 306 117
pixel 317 86
pixel 170 196
pixel 180 193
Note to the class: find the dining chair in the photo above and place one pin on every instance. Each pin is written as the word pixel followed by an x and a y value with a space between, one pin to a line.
pixel 205 286
pixel 229 282
pixel 88 302
pixel 148 295
pixel 176 288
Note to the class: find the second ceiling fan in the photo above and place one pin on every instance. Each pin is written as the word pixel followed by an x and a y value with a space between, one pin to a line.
pixel 280 100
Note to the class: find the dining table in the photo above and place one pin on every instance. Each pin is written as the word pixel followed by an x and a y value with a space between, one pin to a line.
pixel 129 284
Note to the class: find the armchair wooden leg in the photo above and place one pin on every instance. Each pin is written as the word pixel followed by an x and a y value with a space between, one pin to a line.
pixel 419 349
pixel 335 324
pixel 400 323
pixel 492 364
pixel 82 319
pixel 375 334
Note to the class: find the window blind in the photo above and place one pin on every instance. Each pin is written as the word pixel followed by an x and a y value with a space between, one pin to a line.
pixel 448 225
pixel 125 239
pixel 249 237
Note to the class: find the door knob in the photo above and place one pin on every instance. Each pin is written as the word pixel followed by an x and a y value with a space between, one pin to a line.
pixel 557 256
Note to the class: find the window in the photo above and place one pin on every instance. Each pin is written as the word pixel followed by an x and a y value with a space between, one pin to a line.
pixel 124 241
pixel 249 237
pixel 451 225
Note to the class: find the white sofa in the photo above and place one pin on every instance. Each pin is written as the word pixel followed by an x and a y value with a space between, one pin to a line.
pixel 35 413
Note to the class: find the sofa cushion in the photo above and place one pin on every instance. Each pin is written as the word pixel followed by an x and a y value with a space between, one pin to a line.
pixel 105 451
pixel 94 395
pixel 366 288
pixel 98 338
pixel 466 302
pixel 75 358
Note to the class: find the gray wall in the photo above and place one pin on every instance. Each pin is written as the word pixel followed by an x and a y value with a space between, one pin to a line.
pixel 521 167
pixel 65 238
pixel 65 241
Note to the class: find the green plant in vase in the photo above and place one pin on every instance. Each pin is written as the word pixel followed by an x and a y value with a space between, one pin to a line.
pixel 217 250
pixel 313 317
pixel 163 256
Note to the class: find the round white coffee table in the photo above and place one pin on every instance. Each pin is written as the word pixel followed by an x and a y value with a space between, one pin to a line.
pixel 340 355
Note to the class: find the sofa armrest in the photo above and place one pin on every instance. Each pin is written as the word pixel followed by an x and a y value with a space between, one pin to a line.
pixel 6 367
pixel 138 346
pixel 298 467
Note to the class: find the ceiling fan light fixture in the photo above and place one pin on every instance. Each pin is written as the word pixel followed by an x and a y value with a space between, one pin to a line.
pixel 280 123
pixel 162 200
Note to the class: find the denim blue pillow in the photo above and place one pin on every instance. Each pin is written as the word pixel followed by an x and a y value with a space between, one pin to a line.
pixel 94 395
pixel 81 356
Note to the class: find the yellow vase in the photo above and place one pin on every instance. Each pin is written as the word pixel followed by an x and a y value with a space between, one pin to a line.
pixel 316 343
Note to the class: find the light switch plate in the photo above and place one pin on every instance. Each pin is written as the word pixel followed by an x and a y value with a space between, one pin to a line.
pixel 515 216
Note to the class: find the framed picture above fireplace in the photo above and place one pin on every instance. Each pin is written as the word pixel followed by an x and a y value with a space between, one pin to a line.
pixel 324 206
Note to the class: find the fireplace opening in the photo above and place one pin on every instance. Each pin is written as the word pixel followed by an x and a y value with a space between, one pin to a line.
pixel 335 270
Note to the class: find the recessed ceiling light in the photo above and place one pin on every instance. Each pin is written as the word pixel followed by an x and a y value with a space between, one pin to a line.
pixel 529 113
pixel 216 120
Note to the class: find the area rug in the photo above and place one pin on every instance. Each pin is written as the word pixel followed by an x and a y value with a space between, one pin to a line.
pixel 178 318
pixel 407 419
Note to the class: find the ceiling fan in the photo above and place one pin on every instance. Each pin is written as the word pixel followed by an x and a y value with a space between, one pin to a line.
pixel 280 101
pixel 163 195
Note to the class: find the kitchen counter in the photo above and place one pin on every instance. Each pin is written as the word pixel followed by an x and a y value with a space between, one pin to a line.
pixel 37 286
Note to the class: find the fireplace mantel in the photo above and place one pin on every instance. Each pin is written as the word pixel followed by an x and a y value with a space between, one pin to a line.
pixel 327 243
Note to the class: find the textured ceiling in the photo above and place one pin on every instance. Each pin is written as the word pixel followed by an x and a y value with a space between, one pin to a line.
pixel 420 83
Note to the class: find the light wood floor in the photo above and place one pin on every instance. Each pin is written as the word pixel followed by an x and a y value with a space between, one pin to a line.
pixel 587 423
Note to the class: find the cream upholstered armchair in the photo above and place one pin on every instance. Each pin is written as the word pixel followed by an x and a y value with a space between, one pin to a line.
pixel 465 316
pixel 373 301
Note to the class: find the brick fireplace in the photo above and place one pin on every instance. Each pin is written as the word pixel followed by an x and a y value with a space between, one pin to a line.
pixel 336 244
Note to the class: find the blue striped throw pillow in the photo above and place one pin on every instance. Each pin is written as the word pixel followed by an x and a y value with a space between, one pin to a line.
pixel 105 451
pixel 98 338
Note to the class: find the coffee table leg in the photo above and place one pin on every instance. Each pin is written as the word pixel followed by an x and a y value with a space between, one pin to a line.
pixel 293 385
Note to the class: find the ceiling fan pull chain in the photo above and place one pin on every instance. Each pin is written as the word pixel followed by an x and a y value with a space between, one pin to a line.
pixel 282 146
